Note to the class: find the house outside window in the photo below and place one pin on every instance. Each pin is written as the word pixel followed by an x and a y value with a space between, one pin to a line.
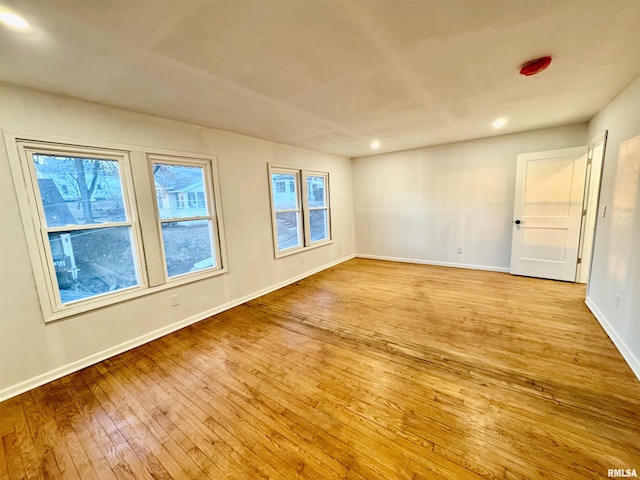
pixel 91 241
pixel 300 212
pixel 318 206
pixel 286 210
pixel 81 218
pixel 189 232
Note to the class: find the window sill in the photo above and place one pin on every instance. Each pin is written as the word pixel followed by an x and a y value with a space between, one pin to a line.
pixel 293 251
pixel 125 295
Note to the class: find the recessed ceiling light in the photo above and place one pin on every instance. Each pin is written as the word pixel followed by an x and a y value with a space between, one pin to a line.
pixel 375 145
pixel 499 123
pixel 13 21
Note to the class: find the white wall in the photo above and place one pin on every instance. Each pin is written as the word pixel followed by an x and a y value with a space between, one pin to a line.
pixel 423 204
pixel 32 352
pixel 616 258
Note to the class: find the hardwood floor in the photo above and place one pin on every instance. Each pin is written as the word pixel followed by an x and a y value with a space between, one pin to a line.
pixel 369 370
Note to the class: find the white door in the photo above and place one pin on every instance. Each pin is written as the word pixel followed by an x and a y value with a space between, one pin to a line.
pixel 592 193
pixel 547 213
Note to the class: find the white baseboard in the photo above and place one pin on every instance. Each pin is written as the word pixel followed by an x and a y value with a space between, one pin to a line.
pixel 433 262
pixel 622 347
pixel 54 374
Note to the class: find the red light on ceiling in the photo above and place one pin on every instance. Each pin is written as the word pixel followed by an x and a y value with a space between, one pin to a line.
pixel 535 66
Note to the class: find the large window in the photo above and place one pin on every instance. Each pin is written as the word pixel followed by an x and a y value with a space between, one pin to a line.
pixel 89 236
pixel 188 228
pixel 81 208
pixel 287 210
pixel 318 205
pixel 300 209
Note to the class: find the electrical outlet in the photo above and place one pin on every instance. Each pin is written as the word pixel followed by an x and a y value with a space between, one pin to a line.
pixel 459 250
pixel 175 300
pixel 618 298
pixel 302 259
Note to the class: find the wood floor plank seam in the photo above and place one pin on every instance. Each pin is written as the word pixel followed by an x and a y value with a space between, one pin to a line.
pixel 544 388
pixel 430 356
pixel 557 476
pixel 248 372
pixel 369 370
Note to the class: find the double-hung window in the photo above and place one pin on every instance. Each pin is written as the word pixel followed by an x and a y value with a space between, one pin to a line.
pixel 287 212
pixel 318 206
pixel 299 209
pixel 189 237
pixel 90 225
pixel 88 237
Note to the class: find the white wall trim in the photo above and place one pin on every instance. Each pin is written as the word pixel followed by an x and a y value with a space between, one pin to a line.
pixel 622 347
pixel 59 372
pixel 433 262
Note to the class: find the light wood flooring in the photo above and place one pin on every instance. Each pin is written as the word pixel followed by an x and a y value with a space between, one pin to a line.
pixel 368 370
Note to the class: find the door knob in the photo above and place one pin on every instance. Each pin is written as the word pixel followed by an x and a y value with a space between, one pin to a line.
pixel 517 222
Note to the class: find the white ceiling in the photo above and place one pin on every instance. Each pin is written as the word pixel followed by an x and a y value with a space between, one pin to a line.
pixel 332 75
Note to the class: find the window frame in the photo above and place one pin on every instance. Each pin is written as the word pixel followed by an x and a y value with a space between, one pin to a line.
pixel 138 195
pixel 298 211
pixel 326 206
pixel 212 208
pixel 45 268
pixel 301 175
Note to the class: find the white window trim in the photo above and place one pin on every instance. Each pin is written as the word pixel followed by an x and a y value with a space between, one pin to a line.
pixel 214 215
pixel 327 207
pixel 23 175
pixel 299 211
pixel 303 202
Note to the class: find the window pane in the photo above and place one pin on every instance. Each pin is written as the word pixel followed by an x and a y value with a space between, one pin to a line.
pixel 188 246
pixel 91 262
pixel 319 223
pixel 79 191
pixel 288 228
pixel 284 188
pixel 315 190
pixel 180 191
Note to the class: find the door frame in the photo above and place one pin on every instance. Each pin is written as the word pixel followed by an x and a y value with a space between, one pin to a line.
pixel 593 205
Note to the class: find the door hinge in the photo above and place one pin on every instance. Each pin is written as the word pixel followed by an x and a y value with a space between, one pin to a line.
pixel 589 161
pixel 579 260
pixel 584 212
